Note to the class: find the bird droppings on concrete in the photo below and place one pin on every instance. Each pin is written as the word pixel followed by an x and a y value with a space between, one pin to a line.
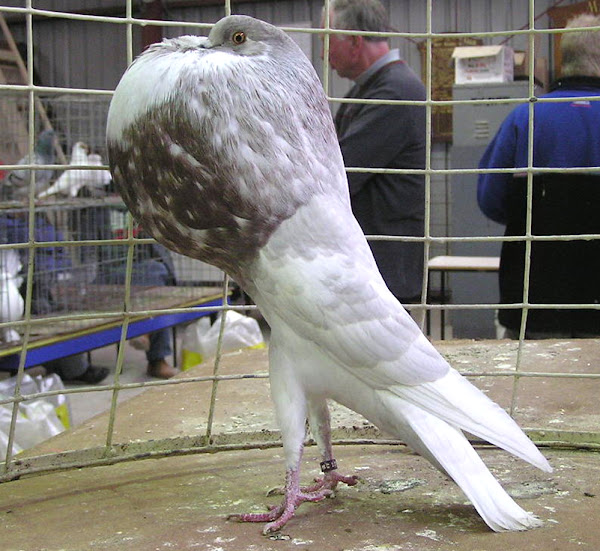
pixel 531 489
pixel 278 536
pixel 297 541
pixel 392 486
pixel 429 534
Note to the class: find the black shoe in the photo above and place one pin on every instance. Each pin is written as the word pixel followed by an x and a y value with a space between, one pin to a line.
pixel 92 375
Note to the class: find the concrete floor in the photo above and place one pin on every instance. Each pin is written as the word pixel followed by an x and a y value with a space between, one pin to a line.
pixel 86 406
pixel 401 504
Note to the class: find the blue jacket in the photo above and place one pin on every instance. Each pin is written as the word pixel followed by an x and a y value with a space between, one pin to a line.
pixel 14 228
pixel 566 135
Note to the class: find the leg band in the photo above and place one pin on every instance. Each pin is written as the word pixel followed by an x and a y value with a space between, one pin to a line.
pixel 328 466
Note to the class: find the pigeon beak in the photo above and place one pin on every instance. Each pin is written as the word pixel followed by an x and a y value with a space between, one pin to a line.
pixel 206 44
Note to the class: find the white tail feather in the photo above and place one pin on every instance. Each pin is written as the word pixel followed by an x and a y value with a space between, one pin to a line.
pixel 457 401
pixel 446 447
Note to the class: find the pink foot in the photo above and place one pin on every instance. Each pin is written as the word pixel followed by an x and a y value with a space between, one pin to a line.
pixel 277 517
pixel 330 481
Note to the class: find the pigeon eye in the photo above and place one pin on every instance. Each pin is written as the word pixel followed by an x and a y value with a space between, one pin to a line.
pixel 238 37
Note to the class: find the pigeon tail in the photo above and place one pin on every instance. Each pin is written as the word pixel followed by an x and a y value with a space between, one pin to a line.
pixel 450 451
pixel 454 399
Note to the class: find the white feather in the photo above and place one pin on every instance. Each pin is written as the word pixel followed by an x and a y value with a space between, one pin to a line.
pixel 96 178
pixel 72 180
pixel 151 81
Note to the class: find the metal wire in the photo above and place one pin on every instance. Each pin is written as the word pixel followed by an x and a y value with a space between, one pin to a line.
pixel 112 452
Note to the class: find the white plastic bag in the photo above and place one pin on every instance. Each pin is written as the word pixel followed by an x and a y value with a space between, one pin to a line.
pixel 200 337
pixel 5 414
pixel 36 422
pixel 37 419
pixel 11 301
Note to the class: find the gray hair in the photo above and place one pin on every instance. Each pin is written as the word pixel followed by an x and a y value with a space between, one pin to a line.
pixel 581 50
pixel 360 15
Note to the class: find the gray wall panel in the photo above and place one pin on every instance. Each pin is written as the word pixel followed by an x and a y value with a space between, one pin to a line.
pixel 68 49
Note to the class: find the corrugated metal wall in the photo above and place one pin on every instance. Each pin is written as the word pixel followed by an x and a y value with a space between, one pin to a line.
pixel 87 54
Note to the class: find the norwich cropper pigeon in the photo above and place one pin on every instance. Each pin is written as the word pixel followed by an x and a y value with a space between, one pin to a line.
pixel 224 150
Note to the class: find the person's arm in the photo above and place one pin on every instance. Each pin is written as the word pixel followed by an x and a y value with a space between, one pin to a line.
pixel 376 136
pixel 492 189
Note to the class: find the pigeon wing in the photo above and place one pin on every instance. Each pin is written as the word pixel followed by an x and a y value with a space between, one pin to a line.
pixel 326 287
pixel 325 284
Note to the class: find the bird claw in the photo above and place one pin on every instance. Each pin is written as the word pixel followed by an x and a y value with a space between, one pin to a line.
pixel 269 516
pixel 277 516
pixel 330 481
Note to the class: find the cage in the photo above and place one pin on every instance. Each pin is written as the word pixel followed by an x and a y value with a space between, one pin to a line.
pixel 220 410
pixel 78 205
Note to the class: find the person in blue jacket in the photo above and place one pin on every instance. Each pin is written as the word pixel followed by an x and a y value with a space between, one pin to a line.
pixel 566 134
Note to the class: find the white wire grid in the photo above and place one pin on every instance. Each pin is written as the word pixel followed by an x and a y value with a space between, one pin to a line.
pixel 112 452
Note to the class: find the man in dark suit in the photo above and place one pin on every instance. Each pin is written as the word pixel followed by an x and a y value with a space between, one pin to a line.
pixel 382 136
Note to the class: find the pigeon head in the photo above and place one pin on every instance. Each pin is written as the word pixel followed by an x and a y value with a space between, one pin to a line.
pixel 81 147
pixel 45 143
pixel 244 36
pixel 214 142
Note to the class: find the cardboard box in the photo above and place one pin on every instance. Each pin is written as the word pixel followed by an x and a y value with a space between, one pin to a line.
pixel 540 69
pixel 482 64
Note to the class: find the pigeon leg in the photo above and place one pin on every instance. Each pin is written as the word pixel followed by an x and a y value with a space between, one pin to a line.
pixel 320 425
pixel 291 407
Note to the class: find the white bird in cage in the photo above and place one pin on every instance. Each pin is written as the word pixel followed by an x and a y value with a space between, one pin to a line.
pixel 224 150
pixel 97 179
pixel 18 181
pixel 11 301
pixel 71 180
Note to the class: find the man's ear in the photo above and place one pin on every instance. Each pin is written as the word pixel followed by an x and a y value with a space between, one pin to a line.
pixel 356 44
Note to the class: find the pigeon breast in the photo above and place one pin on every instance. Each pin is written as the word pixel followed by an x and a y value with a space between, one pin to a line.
pixel 216 149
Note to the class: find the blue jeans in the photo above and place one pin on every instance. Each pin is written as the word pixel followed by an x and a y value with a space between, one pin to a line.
pixel 160 345
pixel 145 272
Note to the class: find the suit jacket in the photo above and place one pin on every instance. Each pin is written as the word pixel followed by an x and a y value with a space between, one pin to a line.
pixel 388 136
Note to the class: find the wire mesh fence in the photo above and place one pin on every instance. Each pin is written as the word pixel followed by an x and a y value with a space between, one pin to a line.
pixel 76 259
